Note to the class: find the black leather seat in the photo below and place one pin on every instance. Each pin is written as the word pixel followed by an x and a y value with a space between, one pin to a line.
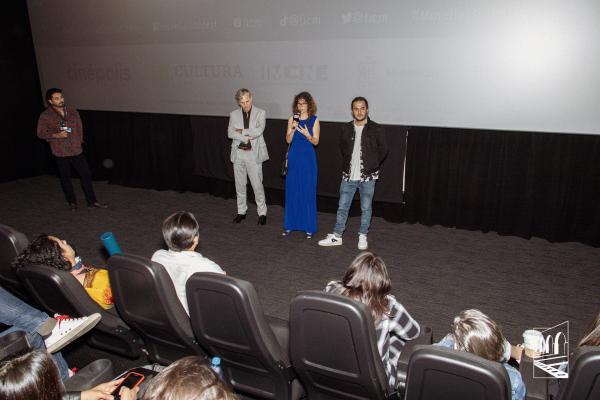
pixel 13 344
pixel 58 291
pixel 584 376
pixel 228 321
pixel 436 372
pixel 146 299
pixel 334 348
pixel 12 243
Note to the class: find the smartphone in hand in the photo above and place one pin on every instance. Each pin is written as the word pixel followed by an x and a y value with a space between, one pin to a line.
pixel 131 381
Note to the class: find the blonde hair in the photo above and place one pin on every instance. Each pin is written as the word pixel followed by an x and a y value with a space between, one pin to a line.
pixel 241 92
pixel 477 333
pixel 189 378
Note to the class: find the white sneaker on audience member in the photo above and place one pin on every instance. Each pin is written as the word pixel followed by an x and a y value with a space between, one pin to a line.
pixel 68 329
pixel 331 240
pixel 362 242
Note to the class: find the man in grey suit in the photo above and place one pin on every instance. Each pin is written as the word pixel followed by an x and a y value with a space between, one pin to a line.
pixel 248 152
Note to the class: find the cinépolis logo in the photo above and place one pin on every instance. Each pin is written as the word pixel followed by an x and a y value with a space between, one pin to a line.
pixel 98 73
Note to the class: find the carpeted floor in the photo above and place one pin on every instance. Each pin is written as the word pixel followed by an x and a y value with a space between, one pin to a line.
pixel 435 271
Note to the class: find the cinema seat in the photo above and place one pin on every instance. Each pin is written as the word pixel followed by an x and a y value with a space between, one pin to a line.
pixel 436 372
pixel 12 242
pixel 58 291
pixel 584 376
pixel 146 299
pixel 228 321
pixel 334 348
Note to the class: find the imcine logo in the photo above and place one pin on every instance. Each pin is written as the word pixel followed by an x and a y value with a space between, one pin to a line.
pixel 294 73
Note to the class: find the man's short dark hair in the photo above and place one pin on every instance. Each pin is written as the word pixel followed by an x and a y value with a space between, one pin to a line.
pixel 50 92
pixel 359 98
pixel 179 230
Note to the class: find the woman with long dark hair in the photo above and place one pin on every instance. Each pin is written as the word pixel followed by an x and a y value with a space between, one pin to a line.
pixel 367 281
pixel 58 253
pixel 33 375
pixel 302 135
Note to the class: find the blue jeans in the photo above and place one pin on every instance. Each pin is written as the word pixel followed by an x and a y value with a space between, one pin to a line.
pixel 22 317
pixel 347 191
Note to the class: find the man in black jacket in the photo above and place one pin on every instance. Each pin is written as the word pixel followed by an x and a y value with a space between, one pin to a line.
pixel 363 148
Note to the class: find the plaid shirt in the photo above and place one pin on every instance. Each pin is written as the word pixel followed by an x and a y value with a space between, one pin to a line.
pixel 394 329
pixel 49 125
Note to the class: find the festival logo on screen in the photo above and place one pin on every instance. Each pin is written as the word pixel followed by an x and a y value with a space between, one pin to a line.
pixel 200 23
pixel 298 20
pixel 549 348
pixel 364 17
pixel 247 23
pixel 99 73
pixel 206 71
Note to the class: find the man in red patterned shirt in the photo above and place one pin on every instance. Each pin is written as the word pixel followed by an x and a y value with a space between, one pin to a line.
pixel 60 126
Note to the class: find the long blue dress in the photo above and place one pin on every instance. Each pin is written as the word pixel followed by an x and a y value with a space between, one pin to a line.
pixel 301 183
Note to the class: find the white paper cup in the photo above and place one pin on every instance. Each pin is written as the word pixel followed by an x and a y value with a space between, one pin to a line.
pixel 533 341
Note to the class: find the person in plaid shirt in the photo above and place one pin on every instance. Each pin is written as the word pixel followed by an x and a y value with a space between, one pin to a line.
pixel 368 282
pixel 60 125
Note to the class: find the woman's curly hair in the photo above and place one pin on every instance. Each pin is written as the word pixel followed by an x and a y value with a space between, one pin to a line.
pixel 42 251
pixel 310 101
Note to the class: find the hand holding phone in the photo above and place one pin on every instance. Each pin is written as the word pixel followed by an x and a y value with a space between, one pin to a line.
pixel 131 381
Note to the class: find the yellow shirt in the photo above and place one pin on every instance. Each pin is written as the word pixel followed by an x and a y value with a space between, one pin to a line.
pixel 97 286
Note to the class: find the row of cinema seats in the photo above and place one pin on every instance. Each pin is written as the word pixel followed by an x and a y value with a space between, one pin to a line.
pixel 327 350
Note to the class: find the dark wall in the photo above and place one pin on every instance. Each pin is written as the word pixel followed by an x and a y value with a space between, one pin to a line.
pixel 21 153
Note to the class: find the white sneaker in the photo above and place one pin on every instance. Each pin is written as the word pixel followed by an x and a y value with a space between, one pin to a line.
pixel 331 240
pixel 68 329
pixel 362 242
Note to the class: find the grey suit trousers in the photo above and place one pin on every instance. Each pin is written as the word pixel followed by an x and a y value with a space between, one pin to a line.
pixel 246 167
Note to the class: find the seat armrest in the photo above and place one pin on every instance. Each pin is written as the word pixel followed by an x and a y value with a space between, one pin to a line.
pixel 424 338
pixel 90 376
pixel 537 388
pixel 281 330
pixel 13 343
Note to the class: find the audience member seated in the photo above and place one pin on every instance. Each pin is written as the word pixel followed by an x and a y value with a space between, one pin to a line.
pixel 33 375
pixel 475 332
pixel 180 232
pixel 367 281
pixel 189 378
pixel 57 253
pixel 43 332
pixel 592 338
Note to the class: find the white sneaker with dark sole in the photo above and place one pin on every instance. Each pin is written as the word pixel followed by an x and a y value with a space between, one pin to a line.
pixel 68 329
pixel 331 240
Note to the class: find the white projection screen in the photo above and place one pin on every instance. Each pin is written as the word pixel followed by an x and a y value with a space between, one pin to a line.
pixel 508 65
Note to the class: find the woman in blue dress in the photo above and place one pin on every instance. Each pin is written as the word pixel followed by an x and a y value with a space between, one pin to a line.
pixel 301 183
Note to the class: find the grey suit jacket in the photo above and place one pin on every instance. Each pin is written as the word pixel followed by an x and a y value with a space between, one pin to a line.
pixel 254 131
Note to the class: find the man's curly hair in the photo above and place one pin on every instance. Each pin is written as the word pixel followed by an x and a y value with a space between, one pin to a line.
pixel 42 251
